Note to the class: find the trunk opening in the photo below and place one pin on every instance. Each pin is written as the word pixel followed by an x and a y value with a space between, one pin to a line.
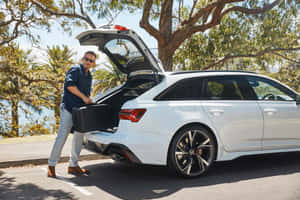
pixel 104 115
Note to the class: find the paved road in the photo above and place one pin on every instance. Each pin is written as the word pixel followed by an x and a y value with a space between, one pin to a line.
pixel 275 177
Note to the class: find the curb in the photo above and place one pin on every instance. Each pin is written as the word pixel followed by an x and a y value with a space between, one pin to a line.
pixel 44 161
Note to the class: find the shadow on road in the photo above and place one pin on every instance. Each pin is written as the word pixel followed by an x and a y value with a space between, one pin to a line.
pixel 148 182
pixel 9 189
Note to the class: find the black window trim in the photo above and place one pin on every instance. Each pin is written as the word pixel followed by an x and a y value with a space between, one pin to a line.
pixel 204 81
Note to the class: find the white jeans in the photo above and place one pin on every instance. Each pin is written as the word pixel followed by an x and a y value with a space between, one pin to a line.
pixel 65 126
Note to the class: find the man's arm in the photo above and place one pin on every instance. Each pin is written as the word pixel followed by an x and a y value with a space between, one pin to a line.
pixel 74 90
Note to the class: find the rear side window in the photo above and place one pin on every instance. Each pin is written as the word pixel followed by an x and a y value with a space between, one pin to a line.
pixel 225 88
pixel 187 89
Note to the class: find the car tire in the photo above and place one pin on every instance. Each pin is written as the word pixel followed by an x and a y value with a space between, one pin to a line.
pixel 192 151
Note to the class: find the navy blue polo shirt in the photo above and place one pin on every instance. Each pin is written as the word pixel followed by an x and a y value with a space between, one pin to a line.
pixel 76 76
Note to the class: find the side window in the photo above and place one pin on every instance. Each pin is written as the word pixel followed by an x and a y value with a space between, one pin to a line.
pixel 269 90
pixel 188 89
pixel 214 90
pixel 222 88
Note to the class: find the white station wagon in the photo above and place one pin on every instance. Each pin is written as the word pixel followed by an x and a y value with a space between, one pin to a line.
pixel 185 120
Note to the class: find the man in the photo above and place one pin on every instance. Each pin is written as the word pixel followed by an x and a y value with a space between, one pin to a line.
pixel 77 88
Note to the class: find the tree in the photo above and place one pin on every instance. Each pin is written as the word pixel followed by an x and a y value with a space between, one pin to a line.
pixel 4 120
pixel 176 23
pixel 59 60
pixel 242 42
pixel 290 75
pixel 71 12
pixel 19 82
pixel 18 18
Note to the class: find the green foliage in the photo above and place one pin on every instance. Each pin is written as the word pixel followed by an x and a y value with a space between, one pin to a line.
pixel 18 84
pixel 107 78
pixel 58 61
pixel 36 85
pixel 289 74
pixel 255 43
pixel 18 18
pixel 37 127
pixel 5 120
pixel 241 37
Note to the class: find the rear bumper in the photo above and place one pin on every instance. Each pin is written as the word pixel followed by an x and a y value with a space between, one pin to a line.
pixel 116 151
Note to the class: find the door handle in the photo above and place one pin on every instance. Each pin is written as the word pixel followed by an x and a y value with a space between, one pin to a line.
pixel 216 112
pixel 270 111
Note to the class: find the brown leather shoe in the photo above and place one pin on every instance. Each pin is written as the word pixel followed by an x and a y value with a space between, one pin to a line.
pixel 77 170
pixel 51 172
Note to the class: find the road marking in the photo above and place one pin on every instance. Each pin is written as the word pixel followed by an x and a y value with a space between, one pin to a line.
pixel 73 185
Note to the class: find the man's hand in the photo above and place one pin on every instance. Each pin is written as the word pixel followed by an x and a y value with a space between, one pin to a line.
pixel 87 100
pixel 74 90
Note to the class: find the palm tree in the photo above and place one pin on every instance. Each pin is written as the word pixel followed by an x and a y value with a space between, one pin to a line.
pixel 58 61
pixel 107 78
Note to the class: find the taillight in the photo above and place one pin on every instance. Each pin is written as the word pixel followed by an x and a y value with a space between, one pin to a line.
pixel 133 115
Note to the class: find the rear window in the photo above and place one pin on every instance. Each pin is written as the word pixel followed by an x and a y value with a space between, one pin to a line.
pixel 125 53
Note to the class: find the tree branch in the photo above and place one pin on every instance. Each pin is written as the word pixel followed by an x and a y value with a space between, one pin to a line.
pixel 190 28
pixel 15 33
pixel 193 7
pixel 259 54
pixel 5 23
pixel 286 58
pixel 144 23
pixel 165 20
pixel 251 11
pixel 83 17
pixel 8 70
pixel 201 12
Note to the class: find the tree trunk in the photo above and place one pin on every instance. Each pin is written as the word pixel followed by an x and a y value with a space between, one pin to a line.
pixel 167 60
pixel 15 118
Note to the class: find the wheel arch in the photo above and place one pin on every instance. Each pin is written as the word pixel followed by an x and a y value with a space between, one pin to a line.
pixel 194 124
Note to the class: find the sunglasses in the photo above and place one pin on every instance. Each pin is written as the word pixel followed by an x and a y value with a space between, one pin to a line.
pixel 89 60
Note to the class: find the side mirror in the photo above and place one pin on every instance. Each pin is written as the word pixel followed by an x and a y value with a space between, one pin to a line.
pixel 298 99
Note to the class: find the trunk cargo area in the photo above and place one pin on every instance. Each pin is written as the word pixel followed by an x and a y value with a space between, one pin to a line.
pixel 104 115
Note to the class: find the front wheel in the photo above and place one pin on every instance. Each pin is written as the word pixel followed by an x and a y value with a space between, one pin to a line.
pixel 192 151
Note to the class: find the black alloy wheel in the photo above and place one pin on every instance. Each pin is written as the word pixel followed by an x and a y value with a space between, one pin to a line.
pixel 192 151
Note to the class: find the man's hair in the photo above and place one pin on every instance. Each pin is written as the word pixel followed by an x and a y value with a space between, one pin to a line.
pixel 90 52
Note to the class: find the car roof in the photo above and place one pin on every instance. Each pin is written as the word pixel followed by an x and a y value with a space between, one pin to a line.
pixel 205 71
pixel 190 74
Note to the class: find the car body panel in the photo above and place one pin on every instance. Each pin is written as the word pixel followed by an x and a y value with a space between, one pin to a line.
pixel 239 123
pixel 281 124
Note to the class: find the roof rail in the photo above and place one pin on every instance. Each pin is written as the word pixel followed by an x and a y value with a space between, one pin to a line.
pixel 198 71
